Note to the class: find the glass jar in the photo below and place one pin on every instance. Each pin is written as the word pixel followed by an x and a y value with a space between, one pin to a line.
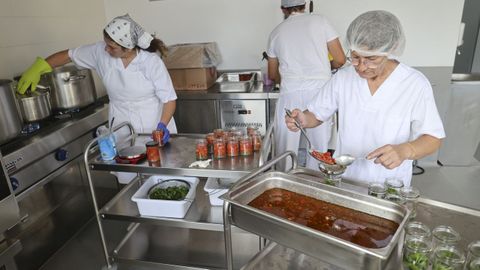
pixel 246 147
pixel 394 197
pixel 157 136
pixel 251 130
pixel 333 179
pixel 416 253
pixel 410 196
pixel 232 147
pixel 393 185
pixel 218 132
pixel 417 229
pixel 448 258
pixel 153 154
pixel 219 149
pixel 473 255
pixel 257 141
pixel 201 150
pixel 445 235
pixel 473 265
pixel 376 189
pixel 210 140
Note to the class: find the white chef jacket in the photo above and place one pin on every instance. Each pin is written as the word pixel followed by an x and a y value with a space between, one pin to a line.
pixel 136 93
pixel 402 109
pixel 300 45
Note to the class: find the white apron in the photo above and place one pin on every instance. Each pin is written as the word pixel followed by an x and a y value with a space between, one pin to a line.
pixel 127 90
pixel 298 99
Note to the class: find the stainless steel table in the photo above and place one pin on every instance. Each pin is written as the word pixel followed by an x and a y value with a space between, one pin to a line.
pixel 202 220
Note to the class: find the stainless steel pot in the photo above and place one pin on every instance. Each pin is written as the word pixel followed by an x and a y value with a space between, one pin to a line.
pixel 35 106
pixel 71 87
pixel 10 119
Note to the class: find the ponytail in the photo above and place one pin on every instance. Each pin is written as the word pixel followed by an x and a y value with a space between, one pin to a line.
pixel 157 45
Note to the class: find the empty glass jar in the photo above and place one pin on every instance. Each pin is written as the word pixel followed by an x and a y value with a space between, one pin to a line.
pixel 445 235
pixel 410 196
pixel 417 229
pixel 473 256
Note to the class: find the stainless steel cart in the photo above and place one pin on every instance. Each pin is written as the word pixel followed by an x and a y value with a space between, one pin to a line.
pixel 202 219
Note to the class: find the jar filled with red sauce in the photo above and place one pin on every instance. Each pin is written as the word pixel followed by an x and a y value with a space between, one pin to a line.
pixel 210 140
pixel 153 153
pixel 246 147
pixel 232 147
pixel 218 132
pixel 219 148
pixel 251 130
pixel 256 141
pixel 157 136
pixel 201 150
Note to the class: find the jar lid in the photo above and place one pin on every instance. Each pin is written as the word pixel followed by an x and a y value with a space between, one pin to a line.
pixel 151 143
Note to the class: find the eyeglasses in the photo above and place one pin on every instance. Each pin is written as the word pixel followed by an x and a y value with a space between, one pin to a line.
pixel 369 61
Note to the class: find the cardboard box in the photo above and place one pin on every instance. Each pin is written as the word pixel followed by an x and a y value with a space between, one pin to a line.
pixel 193 78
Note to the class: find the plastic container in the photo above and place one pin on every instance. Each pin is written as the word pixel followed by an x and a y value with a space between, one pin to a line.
pixel 164 208
pixel 106 144
pixel 216 187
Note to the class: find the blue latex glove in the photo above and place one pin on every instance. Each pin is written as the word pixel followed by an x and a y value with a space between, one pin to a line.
pixel 166 133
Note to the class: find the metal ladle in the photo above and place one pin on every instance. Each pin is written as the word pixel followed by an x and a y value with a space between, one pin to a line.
pixel 327 167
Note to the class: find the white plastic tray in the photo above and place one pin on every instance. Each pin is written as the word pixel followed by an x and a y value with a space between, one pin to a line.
pixel 215 189
pixel 164 208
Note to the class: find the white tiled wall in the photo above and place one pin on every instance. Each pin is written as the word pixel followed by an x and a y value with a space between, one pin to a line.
pixel 31 28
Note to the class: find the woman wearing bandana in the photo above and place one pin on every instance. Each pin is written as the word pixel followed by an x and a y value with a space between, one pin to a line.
pixel 137 82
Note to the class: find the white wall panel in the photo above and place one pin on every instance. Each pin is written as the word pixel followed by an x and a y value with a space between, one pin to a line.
pixel 241 27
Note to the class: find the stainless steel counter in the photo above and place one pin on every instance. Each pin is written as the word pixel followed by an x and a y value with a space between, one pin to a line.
pixel 258 91
pixel 177 155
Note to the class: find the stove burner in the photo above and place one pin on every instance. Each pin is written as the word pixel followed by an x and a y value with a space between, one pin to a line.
pixel 68 113
pixel 30 128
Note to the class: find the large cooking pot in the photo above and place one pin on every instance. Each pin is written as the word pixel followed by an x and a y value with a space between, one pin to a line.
pixel 10 119
pixel 71 87
pixel 34 106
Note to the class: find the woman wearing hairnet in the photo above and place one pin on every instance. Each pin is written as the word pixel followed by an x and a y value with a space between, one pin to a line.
pixel 138 84
pixel 386 109
pixel 298 50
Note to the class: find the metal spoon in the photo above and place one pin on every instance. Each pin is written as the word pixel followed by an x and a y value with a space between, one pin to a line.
pixel 346 159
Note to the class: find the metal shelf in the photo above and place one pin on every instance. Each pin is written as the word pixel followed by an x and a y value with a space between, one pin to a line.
pixel 177 155
pixel 201 215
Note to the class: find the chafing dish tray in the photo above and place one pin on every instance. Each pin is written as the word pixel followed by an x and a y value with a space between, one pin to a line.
pixel 317 244
pixel 236 81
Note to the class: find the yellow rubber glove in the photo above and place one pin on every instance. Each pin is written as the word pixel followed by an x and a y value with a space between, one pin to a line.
pixel 31 76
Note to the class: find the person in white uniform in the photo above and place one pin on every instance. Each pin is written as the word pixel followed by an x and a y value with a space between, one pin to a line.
pixel 137 82
pixel 298 59
pixel 387 112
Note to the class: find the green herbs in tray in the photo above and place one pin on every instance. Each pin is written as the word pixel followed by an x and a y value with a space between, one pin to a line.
pixel 175 193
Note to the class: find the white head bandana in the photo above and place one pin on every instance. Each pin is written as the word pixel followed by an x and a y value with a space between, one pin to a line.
pixel 127 33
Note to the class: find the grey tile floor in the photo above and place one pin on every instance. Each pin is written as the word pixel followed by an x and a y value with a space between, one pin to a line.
pixel 455 185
